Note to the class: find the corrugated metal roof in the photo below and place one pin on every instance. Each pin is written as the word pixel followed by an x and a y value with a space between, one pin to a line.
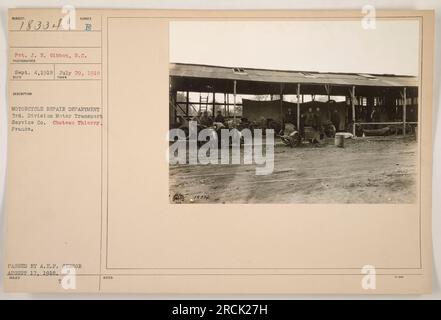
pixel 281 76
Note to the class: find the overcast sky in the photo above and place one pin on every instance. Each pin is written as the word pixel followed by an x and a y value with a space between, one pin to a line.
pixel 334 46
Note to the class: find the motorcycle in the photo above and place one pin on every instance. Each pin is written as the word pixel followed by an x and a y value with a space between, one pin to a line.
pixel 290 136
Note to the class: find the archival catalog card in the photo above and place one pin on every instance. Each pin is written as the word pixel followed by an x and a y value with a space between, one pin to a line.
pixel 219 151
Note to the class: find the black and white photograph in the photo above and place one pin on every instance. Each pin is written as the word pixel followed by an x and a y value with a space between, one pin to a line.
pixel 221 151
pixel 294 111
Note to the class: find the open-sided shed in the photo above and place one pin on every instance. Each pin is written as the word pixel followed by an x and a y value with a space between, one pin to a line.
pixel 360 90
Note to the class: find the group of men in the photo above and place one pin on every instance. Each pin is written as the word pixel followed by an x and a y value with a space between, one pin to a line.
pixel 307 119
pixel 311 119
pixel 204 118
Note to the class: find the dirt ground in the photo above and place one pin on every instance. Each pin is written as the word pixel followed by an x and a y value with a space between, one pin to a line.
pixel 366 170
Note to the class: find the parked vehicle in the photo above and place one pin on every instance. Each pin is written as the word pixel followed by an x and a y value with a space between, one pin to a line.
pixel 293 137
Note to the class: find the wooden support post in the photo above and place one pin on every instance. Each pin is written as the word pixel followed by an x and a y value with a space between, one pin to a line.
pixel 187 104
pixel 298 106
pixel 328 92
pixel 404 110
pixel 234 101
pixel 174 99
pixel 281 101
pixel 214 104
pixel 225 104
pixel 353 109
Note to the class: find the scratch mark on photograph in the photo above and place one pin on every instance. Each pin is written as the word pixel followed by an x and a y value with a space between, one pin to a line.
pixel 293 112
